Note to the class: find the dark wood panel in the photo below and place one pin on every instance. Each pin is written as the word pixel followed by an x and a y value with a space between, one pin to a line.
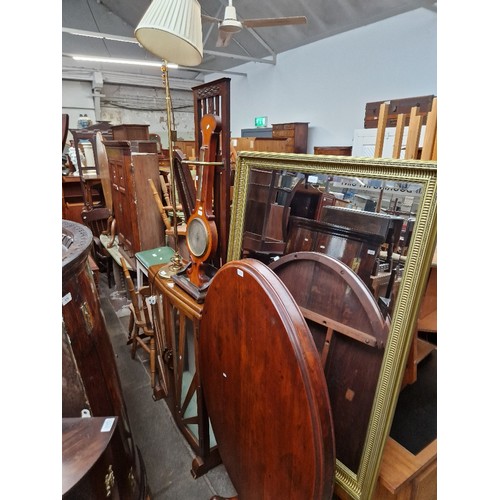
pixel 333 150
pixel 396 107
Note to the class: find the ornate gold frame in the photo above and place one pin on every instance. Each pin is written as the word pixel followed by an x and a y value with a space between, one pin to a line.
pixel 360 484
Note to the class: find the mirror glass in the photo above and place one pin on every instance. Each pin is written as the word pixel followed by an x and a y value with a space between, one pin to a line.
pixel 377 217
pixel 365 223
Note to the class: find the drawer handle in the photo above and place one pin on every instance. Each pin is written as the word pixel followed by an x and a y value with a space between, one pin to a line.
pixel 109 481
pixel 322 247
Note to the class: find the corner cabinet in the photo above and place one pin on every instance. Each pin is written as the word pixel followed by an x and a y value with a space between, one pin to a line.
pixel 94 462
pixel 91 383
pixel 139 223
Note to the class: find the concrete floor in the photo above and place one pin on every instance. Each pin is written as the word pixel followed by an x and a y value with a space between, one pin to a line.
pixel 167 455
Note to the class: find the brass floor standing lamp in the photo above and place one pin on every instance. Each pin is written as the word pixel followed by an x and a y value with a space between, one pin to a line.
pixel 171 30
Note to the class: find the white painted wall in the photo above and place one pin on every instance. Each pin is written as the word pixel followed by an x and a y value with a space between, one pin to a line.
pixel 142 106
pixel 77 100
pixel 329 82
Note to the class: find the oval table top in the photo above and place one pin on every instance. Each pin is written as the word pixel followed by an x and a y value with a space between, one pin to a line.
pixel 264 386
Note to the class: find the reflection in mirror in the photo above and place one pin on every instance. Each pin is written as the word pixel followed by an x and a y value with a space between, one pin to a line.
pixel 350 334
pixel 365 223
pixel 352 239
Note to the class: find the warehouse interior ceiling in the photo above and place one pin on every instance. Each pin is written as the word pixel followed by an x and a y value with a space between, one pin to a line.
pixel 84 21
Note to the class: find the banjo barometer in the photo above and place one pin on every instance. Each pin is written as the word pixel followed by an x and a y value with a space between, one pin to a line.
pixel 201 230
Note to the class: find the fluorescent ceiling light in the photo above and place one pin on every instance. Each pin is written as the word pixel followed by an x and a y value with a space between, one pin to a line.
pixel 100 36
pixel 135 62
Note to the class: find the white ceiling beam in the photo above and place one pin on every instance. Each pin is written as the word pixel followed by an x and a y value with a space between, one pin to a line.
pixel 127 39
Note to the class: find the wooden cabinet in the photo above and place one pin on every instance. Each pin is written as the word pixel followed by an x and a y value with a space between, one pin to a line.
pixel 308 201
pixel 404 476
pixel 295 133
pixel 73 200
pixel 373 223
pixel 139 223
pixel 130 131
pixel 269 195
pixel 188 148
pixel 357 249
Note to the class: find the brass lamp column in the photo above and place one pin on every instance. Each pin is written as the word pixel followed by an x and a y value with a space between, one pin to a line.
pixel 176 260
pixel 171 30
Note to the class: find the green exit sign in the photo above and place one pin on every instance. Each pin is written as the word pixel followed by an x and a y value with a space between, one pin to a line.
pixel 260 121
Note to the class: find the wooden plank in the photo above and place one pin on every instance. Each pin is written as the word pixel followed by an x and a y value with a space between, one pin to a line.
pixel 434 150
pixel 424 348
pixel 430 132
pixel 398 138
pixel 339 327
pixel 413 134
pixel 382 119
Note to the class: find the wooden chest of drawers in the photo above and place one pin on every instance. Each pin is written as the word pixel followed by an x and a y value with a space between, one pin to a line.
pixel 296 133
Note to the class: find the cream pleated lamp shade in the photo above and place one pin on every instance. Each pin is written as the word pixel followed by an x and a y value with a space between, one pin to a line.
pixel 171 29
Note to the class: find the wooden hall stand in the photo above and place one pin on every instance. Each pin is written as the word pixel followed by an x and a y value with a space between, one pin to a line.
pixel 176 317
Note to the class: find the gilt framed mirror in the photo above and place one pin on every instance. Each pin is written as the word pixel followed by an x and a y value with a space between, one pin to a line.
pixel 278 196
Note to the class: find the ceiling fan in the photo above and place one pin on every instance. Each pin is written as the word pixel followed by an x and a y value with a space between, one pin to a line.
pixel 231 25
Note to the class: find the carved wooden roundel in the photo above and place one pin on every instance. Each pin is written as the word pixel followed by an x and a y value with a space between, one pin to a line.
pixel 264 387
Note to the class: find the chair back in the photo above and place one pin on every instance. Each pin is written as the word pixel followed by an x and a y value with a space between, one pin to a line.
pixel 97 220
pixel 139 309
